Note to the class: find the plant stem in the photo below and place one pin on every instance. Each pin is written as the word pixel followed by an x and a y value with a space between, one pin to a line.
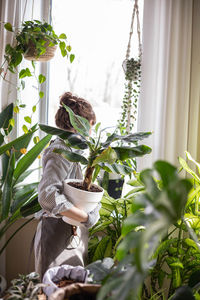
pixel 88 178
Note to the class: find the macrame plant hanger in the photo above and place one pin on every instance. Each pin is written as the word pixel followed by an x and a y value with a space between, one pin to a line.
pixel 135 14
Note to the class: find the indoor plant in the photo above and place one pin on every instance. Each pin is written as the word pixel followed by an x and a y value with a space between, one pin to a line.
pixel 17 199
pixel 101 154
pixel 32 41
pixel 154 210
pixel 35 41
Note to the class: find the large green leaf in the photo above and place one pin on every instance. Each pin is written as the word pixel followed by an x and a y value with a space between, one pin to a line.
pixel 116 168
pixel 189 157
pixel 104 249
pixel 188 169
pixel 22 195
pixel 63 134
pixel 5 163
pixel 6 115
pixel 79 123
pixel 25 143
pixel 71 156
pixel 107 156
pixel 27 160
pixel 77 141
pixel 17 143
pixel 25 175
pixel 124 153
pixel 130 138
pixel 31 207
pixel 7 188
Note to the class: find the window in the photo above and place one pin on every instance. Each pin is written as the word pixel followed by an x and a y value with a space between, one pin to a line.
pixel 98 31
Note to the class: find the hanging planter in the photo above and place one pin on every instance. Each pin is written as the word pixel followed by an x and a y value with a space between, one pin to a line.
pixel 31 53
pixel 132 70
pixel 36 41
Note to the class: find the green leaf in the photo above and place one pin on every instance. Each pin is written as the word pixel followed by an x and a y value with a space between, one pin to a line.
pixel 36 139
pixel 25 73
pixel 5 116
pixel 188 169
pixel 107 156
pixel 62 36
pixel 69 48
pixel 8 27
pixel 25 175
pixel 28 119
pixel 23 86
pixel 7 188
pixel 130 138
pixel 22 195
pixel 71 156
pixel 41 78
pixel 27 160
pixel 12 122
pixel 25 129
pixel 17 143
pixel 124 153
pixel 31 207
pixel 97 127
pixel 16 109
pixel 104 249
pixel 79 123
pixel 77 141
pixel 34 108
pixel 63 134
pixel 41 94
pixel 71 58
pixel 116 168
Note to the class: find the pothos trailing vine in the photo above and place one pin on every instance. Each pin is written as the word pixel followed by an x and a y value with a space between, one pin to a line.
pixel 35 37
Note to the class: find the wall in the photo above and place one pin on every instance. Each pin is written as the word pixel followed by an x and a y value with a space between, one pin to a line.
pixel 18 250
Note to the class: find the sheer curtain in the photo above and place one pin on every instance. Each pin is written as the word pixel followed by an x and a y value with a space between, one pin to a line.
pixel 170 92
pixel 14 12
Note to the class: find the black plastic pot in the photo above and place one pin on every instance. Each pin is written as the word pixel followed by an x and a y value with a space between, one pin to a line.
pixel 112 186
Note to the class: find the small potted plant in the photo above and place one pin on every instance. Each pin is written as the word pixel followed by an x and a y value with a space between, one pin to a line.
pixel 103 154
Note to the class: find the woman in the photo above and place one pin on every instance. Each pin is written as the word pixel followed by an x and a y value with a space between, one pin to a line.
pixel 57 242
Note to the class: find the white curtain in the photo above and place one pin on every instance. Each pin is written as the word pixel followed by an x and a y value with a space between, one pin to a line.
pixel 170 92
pixel 14 12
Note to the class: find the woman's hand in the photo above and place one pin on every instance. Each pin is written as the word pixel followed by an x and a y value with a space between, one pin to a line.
pixel 76 213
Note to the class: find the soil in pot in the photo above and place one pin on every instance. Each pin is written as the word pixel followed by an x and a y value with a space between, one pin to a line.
pixel 76 293
pixel 79 185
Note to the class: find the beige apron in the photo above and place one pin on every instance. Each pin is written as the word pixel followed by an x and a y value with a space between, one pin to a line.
pixel 60 246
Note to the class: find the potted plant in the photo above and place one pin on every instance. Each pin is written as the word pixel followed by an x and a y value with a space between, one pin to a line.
pixel 35 41
pixel 103 154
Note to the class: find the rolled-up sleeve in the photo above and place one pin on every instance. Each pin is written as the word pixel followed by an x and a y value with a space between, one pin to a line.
pixel 50 189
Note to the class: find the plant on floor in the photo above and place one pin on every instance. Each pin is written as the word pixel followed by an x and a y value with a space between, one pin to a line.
pixel 179 250
pixel 102 153
pixel 154 210
pixel 35 41
pixel 17 199
pixel 106 234
pixel 25 287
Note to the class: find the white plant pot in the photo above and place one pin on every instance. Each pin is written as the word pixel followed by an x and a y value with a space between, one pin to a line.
pixel 84 200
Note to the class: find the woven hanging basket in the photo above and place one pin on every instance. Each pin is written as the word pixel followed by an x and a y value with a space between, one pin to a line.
pixel 31 53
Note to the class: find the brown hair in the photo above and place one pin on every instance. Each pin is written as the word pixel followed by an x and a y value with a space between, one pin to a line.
pixel 79 106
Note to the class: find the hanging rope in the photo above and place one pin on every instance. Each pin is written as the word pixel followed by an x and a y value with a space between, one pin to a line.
pixel 135 12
